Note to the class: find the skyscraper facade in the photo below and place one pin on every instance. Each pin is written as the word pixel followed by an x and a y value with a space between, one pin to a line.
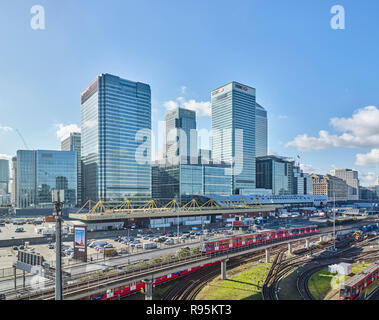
pixel 116 140
pixel 73 143
pixel 4 182
pixel 276 174
pixel 352 180
pixel 233 133
pixel 4 177
pixel 40 172
pixel 261 131
pixel 181 135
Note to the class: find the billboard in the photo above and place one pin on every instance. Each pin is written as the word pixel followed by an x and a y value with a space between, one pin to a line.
pixel 80 243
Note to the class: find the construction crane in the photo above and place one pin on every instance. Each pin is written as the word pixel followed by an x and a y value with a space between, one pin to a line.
pixel 23 140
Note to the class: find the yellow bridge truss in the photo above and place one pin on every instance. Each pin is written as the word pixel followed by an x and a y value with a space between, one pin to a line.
pixel 103 207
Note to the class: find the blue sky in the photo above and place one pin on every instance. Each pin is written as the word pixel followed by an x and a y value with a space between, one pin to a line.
pixel 305 72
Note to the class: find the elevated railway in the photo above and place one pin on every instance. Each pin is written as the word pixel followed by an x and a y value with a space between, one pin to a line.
pixel 89 285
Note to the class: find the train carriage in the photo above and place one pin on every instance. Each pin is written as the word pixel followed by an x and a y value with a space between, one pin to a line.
pixel 255 239
pixel 353 288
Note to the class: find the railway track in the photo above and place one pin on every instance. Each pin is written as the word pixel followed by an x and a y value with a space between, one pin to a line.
pixel 303 278
pixel 191 285
pixel 93 283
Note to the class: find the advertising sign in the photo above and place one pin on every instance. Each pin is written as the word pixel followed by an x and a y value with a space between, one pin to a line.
pixel 80 243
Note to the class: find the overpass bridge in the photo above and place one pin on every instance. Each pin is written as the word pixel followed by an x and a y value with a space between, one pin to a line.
pixel 103 212
pixel 83 289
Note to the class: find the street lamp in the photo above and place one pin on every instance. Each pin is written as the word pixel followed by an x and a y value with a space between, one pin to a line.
pixel 58 200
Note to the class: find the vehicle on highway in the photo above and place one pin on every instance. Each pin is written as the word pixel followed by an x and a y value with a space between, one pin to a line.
pixel 19 230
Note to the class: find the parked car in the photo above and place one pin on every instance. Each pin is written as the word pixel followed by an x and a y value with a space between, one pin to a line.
pixel 169 242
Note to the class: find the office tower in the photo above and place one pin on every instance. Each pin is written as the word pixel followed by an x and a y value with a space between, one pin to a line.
pixel 13 182
pixel 116 140
pixel 183 182
pixel 4 182
pixel 40 172
pixel 73 143
pixel 331 186
pixel 261 131
pixel 352 180
pixel 181 135
pixel 233 133
pixel 276 174
pixel 4 176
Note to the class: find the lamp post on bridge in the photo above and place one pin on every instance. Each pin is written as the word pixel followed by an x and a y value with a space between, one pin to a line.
pixel 58 200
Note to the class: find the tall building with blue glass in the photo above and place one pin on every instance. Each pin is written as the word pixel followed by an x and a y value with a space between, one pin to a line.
pixel 40 172
pixel 116 140
pixel 181 134
pixel 233 133
pixel 261 131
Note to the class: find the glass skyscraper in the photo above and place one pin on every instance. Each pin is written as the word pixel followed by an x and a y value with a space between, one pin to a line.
pixel 184 181
pixel 261 131
pixel 116 140
pixel 74 143
pixel 181 130
pixel 41 171
pixel 4 177
pixel 233 133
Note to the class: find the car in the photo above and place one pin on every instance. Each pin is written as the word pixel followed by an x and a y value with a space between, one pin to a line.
pixel 2 296
pixel 108 246
pixel 139 245
pixel 124 251
pixel 169 242
pixel 15 248
pixel 18 230
pixel 51 246
pixel 21 247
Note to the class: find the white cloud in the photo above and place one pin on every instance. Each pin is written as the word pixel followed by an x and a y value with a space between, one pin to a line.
pixel 5 128
pixel 202 109
pixel 63 131
pixel 171 105
pixel 367 178
pixel 359 131
pixel 368 160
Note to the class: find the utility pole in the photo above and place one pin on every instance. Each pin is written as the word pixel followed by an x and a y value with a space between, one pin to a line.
pixel 334 221
pixel 58 200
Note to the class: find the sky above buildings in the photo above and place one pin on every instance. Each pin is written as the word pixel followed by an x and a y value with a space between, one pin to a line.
pixel 319 85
